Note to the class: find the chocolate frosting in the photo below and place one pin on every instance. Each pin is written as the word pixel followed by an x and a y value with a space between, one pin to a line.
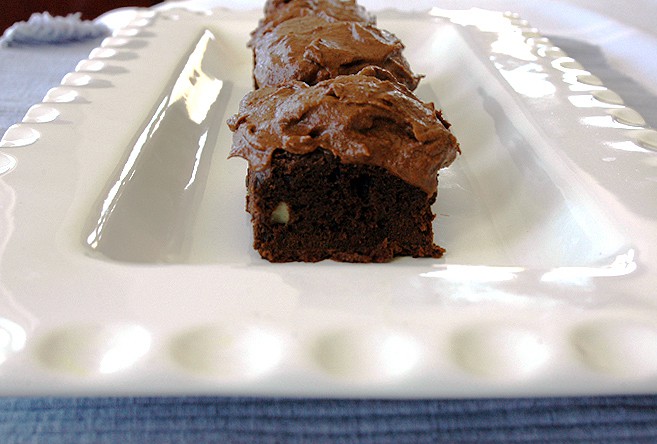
pixel 278 11
pixel 362 119
pixel 311 50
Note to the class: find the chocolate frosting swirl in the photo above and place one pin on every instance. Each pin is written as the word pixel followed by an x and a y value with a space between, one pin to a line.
pixel 311 50
pixel 362 119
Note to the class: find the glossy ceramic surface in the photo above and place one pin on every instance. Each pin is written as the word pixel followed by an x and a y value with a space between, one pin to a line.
pixel 125 253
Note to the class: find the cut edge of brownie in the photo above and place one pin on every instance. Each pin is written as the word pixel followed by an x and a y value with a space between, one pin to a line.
pixel 311 207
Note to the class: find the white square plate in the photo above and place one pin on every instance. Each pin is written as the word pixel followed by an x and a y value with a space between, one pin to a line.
pixel 126 264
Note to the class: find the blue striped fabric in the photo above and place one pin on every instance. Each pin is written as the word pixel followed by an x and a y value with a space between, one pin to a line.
pixel 264 420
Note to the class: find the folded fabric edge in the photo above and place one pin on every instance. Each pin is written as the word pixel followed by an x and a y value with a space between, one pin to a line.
pixel 42 28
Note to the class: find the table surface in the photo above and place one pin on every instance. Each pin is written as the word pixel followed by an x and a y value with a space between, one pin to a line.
pixel 621 41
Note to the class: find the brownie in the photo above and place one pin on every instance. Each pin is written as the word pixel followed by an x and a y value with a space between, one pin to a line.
pixel 344 170
pixel 278 11
pixel 311 49
pixel 342 10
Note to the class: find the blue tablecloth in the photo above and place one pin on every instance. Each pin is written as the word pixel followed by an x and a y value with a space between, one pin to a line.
pixel 25 75
pixel 265 420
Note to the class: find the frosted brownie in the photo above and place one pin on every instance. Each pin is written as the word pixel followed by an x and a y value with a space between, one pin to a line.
pixel 345 169
pixel 278 11
pixel 311 50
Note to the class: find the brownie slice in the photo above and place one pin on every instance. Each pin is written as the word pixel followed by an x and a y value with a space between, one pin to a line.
pixel 278 11
pixel 344 170
pixel 311 49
